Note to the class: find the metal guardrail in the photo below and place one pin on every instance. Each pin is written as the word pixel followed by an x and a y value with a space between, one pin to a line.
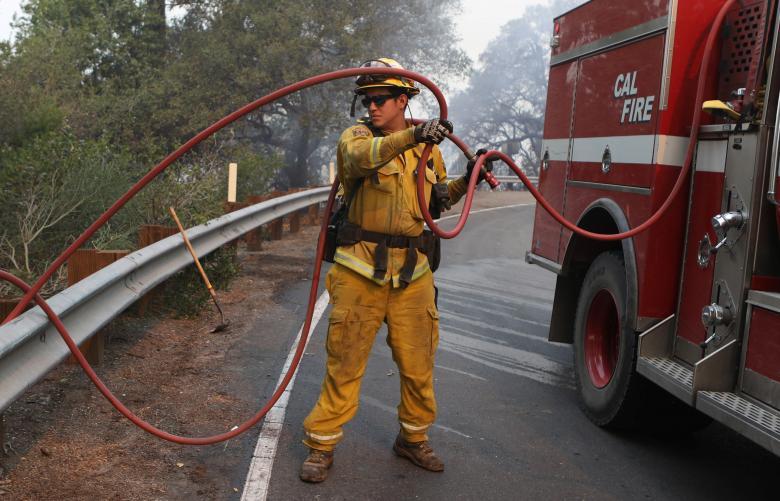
pixel 91 303
pixel 515 179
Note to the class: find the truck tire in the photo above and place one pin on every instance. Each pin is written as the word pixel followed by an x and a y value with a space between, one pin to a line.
pixel 605 346
pixel 611 393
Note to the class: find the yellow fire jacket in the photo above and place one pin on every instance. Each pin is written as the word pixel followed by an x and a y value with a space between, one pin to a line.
pixel 387 200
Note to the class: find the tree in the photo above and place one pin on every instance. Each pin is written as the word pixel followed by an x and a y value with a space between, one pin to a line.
pixel 505 99
pixel 251 48
pixel 95 92
pixel 47 190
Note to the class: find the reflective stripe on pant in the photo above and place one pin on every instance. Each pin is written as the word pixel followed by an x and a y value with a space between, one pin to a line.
pixel 359 307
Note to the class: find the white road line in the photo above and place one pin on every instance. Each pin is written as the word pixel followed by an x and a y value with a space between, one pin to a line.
pixel 259 476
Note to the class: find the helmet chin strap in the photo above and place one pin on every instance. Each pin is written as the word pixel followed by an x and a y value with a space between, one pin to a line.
pixel 352 109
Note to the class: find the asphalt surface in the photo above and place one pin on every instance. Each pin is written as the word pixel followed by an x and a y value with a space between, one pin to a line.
pixel 509 426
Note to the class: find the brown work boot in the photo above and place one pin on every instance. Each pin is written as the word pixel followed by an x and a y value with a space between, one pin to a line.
pixel 419 453
pixel 315 467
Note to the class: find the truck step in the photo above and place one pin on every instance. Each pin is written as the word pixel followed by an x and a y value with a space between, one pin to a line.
pixel 749 417
pixel 670 374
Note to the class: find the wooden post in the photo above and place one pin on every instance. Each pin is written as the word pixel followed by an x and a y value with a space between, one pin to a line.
pixel 7 305
pixel 295 222
pixel 314 214
pixel 294 219
pixel 92 349
pixel 332 173
pixel 275 227
pixel 254 239
pixel 147 235
pixel 82 264
pixel 232 182
pixel 151 233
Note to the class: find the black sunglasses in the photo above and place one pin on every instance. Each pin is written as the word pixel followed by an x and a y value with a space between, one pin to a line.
pixel 379 101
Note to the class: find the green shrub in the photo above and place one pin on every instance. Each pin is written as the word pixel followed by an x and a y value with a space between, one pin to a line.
pixel 186 294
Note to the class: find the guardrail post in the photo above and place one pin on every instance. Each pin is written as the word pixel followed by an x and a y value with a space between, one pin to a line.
pixel 313 214
pixel 6 307
pixel 147 235
pixel 298 217
pixel 254 239
pixel 151 233
pixel 82 264
pixel 295 222
pixel 275 227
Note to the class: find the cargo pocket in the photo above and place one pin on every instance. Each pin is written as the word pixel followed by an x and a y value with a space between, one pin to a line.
pixel 337 326
pixel 430 180
pixel 387 178
pixel 433 314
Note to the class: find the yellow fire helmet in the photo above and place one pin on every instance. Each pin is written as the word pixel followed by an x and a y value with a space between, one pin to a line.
pixel 721 109
pixel 364 82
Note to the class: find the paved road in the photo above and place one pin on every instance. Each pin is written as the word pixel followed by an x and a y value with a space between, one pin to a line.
pixel 509 426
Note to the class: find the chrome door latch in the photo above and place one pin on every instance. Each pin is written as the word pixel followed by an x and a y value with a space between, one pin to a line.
pixel 606 160
pixel 728 228
pixel 719 314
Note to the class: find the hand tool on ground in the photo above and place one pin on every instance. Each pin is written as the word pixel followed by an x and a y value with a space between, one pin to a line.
pixel 224 323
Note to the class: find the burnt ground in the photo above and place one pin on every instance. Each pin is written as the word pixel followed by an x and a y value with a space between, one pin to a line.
pixel 65 441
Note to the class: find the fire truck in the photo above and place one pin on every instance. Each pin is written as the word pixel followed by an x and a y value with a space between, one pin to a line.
pixel 680 324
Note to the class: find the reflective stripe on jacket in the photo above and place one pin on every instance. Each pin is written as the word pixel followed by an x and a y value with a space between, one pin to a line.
pixel 387 201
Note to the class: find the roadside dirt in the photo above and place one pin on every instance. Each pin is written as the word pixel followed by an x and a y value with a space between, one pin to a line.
pixel 65 441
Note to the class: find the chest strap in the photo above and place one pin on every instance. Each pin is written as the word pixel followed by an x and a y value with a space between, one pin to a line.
pixel 350 234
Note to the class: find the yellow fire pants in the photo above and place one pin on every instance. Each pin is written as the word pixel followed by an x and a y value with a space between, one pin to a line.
pixel 359 307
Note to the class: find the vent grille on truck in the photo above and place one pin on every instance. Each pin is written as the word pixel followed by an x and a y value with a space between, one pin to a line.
pixel 741 52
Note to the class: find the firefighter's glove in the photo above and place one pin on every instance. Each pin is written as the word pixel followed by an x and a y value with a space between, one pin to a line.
pixel 441 195
pixel 488 165
pixel 433 131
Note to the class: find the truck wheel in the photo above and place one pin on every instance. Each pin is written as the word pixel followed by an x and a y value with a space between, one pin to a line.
pixel 605 345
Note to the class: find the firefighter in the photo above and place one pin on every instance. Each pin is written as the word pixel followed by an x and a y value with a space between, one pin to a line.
pixel 382 271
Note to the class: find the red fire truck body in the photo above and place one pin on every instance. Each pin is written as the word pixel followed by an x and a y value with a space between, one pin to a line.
pixel 693 303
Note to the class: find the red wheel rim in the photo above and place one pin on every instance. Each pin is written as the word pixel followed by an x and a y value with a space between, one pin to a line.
pixel 602 338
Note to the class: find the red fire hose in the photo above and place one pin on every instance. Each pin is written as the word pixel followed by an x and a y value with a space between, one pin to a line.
pixel 32 292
